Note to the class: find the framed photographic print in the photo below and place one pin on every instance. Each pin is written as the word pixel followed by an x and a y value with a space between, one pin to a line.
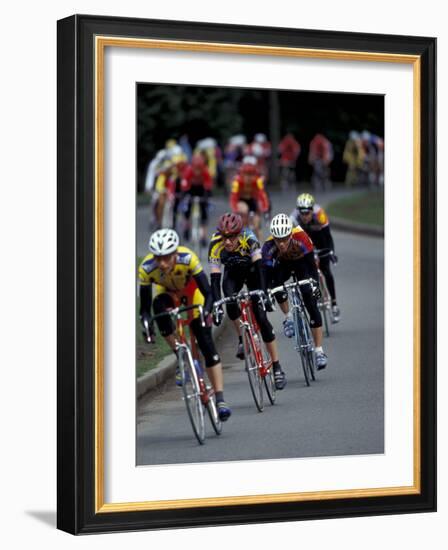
pixel 199 162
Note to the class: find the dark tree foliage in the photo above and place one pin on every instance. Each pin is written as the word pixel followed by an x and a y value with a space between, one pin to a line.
pixel 169 111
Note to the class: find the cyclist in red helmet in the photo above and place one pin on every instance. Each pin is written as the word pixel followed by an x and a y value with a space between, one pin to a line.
pixel 197 182
pixel 239 251
pixel 248 186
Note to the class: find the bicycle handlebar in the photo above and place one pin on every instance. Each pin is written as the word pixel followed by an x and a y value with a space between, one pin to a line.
pixel 241 295
pixel 286 286
pixel 177 312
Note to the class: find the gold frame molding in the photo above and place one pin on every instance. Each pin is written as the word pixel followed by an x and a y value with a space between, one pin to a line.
pixel 101 42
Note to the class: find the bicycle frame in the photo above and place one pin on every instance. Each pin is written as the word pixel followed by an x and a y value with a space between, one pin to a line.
pixel 190 348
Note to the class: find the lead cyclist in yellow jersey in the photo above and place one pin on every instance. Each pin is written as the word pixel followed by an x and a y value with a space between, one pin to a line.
pixel 178 278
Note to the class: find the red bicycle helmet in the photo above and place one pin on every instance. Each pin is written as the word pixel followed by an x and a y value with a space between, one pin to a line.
pixel 230 224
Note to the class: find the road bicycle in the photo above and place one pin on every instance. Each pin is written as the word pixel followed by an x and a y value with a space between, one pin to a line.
pixel 325 302
pixel 258 363
pixel 320 178
pixel 304 341
pixel 198 393
pixel 287 175
pixel 195 236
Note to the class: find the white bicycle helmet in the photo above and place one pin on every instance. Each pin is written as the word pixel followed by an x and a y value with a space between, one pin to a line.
pixel 281 226
pixel 305 200
pixel 163 242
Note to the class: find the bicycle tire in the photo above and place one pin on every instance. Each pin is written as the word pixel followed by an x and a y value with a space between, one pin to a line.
pixel 325 304
pixel 300 344
pixel 252 370
pixel 310 353
pixel 268 379
pixel 192 395
pixel 212 410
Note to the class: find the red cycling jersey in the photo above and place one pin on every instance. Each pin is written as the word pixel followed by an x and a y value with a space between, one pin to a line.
pixel 254 189
pixel 196 179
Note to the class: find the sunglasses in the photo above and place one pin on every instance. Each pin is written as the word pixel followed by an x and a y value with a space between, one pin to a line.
pixel 230 237
pixel 305 210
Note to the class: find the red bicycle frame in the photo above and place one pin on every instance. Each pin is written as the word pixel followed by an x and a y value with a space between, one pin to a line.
pixel 248 317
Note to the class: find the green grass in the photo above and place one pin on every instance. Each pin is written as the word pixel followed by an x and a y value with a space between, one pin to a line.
pixel 365 208
pixel 148 356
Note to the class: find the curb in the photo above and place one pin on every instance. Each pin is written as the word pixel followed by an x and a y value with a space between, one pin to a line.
pixel 354 227
pixel 166 368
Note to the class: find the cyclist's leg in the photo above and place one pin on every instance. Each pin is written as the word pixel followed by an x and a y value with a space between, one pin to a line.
pixel 231 284
pixel 163 302
pixel 329 279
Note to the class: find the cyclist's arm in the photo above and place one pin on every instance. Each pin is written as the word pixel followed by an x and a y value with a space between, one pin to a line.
pixel 234 195
pixel 145 300
pixel 259 272
pixel 310 261
pixel 206 291
pixel 215 280
pixel 328 238
pixel 262 197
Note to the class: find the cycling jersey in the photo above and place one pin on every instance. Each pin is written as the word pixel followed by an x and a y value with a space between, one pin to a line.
pixel 248 246
pixel 289 149
pixel 299 245
pixel 193 180
pixel 186 267
pixel 247 191
pixel 318 228
pixel 318 221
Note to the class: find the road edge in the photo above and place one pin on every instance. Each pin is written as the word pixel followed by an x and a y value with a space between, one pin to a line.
pixel 356 228
pixel 165 369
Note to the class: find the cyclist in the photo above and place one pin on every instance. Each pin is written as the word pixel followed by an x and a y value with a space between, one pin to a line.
pixel 178 277
pixel 248 186
pixel 238 250
pixel 313 219
pixel 320 157
pixel 290 250
pixel 174 182
pixel 260 148
pixel 197 182
pixel 289 151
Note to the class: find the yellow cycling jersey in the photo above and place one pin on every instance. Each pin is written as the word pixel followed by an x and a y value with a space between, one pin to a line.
pixel 186 267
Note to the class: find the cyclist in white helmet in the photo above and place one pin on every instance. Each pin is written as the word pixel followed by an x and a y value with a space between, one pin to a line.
pixel 178 278
pixel 289 250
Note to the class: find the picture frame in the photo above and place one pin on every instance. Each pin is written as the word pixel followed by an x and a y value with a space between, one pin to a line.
pixel 82 40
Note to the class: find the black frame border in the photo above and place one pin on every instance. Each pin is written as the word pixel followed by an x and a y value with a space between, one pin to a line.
pixel 76 263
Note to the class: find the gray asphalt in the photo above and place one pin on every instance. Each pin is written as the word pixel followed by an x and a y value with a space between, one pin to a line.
pixel 342 413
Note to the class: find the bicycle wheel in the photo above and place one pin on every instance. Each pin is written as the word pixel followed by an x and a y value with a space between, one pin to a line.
pixel 309 351
pixel 269 381
pixel 325 304
pixel 301 345
pixel 253 373
pixel 192 395
pixel 213 414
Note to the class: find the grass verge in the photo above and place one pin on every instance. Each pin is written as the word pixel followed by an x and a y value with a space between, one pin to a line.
pixel 367 208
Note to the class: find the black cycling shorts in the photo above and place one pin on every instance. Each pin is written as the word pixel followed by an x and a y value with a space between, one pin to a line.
pixel 233 282
pixel 163 302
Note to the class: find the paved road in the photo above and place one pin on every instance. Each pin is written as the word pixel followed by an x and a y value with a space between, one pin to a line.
pixel 282 202
pixel 340 414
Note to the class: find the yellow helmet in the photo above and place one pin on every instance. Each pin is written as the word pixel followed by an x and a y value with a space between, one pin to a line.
pixel 305 201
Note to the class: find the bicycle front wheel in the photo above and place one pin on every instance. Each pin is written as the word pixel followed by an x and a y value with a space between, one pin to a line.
pixel 325 305
pixel 268 379
pixel 309 351
pixel 301 345
pixel 192 395
pixel 213 414
pixel 253 372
